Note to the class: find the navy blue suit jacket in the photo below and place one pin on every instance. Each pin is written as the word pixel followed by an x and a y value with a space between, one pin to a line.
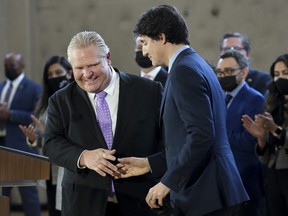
pixel 250 102
pixel 258 80
pixel 201 171
pixel 22 106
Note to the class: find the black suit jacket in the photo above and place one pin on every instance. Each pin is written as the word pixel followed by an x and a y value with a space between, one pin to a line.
pixel 72 127
pixel 258 80
pixel 161 76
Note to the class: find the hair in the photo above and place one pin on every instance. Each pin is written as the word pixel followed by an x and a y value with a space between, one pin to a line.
pixel 163 19
pixel 276 103
pixel 47 91
pixel 85 39
pixel 245 40
pixel 239 58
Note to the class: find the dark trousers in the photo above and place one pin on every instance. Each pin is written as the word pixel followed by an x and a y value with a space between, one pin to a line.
pixel 112 209
pixel 229 211
pixel 51 198
pixel 30 199
pixel 249 208
pixel 277 192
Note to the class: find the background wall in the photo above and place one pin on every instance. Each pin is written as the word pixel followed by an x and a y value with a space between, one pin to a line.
pixel 41 28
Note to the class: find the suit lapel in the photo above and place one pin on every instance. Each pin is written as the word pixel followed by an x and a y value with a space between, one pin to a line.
pixel 171 71
pixel 239 98
pixel 17 96
pixel 95 129
pixel 125 105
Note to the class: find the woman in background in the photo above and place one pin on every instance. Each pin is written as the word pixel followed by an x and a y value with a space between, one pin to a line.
pixel 57 74
pixel 270 129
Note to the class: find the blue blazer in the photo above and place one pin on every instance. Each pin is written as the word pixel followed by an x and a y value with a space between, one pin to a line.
pixel 201 171
pixel 258 80
pixel 22 106
pixel 251 102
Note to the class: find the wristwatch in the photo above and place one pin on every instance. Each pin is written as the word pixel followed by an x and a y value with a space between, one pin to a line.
pixel 278 131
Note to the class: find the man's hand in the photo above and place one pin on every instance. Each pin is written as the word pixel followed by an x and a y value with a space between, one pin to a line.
pixel 4 112
pixel 132 166
pixel 99 161
pixel 156 195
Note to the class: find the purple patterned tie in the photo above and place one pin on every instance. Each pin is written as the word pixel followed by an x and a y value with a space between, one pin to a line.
pixel 104 118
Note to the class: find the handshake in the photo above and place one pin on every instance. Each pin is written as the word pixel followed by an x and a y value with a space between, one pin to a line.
pixel 104 162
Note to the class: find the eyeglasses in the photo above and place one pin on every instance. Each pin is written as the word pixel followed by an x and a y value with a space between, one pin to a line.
pixel 227 71
pixel 224 49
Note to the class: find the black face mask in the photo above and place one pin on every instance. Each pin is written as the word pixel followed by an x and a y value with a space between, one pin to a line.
pixel 228 83
pixel 142 61
pixel 282 86
pixel 11 73
pixel 57 83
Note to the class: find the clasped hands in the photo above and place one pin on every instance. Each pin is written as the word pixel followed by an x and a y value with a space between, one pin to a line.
pixel 104 162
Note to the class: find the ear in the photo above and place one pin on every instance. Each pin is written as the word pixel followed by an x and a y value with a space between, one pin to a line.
pixel 108 57
pixel 162 38
pixel 245 72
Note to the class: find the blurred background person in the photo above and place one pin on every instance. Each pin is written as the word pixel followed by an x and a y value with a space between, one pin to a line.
pixel 240 42
pixel 147 69
pixel 56 75
pixel 232 69
pixel 270 129
pixel 19 96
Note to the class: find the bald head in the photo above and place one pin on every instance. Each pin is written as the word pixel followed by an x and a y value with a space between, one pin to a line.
pixel 14 65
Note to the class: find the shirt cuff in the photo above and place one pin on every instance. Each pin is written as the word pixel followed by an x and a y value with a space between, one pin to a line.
pixel 78 162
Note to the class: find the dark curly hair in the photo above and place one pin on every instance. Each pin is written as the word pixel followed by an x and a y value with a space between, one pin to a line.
pixel 163 19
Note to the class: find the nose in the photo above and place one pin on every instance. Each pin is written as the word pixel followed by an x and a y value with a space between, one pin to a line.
pixel 87 73
pixel 144 52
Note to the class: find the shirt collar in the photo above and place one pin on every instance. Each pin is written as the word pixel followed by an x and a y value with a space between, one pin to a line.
pixel 174 56
pixel 16 81
pixel 153 73
pixel 112 85
pixel 237 89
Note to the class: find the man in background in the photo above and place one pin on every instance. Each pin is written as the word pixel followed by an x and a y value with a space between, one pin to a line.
pixel 240 42
pixel 19 96
pixel 232 69
pixel 158 73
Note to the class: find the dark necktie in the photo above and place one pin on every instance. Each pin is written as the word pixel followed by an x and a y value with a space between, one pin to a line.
pixel 8 93
pixel 228 98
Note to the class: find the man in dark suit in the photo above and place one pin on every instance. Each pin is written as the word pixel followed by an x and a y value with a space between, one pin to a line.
pixel 199 171
pixel 232 69
pixel 240 42
pixel 75 139
pixel 158 73
pixel 19 96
